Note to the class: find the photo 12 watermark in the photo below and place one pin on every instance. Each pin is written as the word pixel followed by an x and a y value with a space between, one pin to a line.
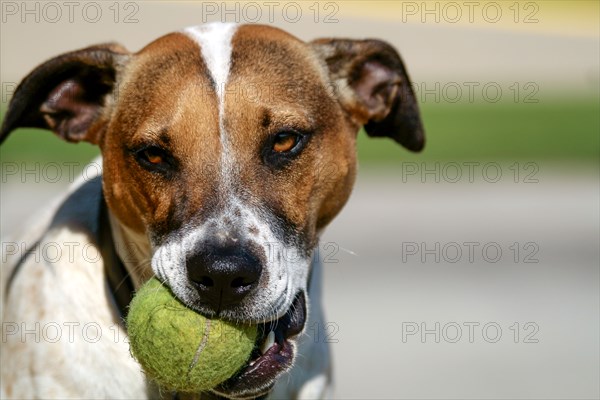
pixel 63 331
pixel 71 171
pixel 469 332
pixel 472 12
pixel 91 332
pixel 69 12
pixel 470 252
pixel 131 252
pixel 251 12
pixel 481 92
pixel 469 172
pixel 49 172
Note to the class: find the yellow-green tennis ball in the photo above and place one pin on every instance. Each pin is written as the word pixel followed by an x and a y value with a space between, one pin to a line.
pixel 179 348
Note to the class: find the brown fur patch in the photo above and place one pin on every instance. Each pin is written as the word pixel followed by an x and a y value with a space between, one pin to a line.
pixel 166 98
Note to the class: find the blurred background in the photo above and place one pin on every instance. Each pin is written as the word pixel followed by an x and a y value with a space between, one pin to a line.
pixel 470 270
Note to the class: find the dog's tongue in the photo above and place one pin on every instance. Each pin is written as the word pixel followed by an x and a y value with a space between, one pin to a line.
pixel 272 354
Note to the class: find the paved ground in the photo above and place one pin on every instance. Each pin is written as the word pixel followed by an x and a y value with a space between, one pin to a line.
pixel 379 291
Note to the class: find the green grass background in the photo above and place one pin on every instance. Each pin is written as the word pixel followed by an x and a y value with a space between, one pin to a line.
pixel 560 129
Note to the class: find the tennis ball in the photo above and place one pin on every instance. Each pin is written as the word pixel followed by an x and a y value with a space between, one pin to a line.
pixel 179 348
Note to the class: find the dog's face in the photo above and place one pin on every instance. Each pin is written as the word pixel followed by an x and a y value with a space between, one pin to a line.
pixel 231 148
pixel 217 174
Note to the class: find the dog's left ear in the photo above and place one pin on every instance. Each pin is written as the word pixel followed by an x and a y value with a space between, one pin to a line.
pixel 374 87
pixel 67 94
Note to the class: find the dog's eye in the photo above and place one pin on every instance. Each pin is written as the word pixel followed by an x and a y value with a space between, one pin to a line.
pixel 285 142
pixel 153 158
pixel 153 155
pixel 281 148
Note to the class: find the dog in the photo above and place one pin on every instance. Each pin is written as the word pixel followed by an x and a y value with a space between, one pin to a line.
pixel 226 150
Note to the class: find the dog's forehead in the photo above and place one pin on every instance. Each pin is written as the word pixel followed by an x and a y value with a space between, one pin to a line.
pixel 203 77
pixel 228 48
pixel 222 52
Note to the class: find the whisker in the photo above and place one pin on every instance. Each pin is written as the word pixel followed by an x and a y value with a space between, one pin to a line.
pixel 135 269
pixel 348 251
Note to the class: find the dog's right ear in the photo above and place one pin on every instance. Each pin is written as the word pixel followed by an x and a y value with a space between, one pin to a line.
pixel 68 93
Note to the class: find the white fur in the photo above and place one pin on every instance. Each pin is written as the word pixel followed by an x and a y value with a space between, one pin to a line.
pixel 215 44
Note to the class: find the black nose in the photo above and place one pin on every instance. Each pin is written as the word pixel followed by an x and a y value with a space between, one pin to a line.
pixel 223 272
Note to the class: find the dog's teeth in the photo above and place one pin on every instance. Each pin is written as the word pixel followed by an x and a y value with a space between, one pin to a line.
pixel 269 340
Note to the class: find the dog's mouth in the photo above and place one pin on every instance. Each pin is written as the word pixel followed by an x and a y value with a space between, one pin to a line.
pixel 272 355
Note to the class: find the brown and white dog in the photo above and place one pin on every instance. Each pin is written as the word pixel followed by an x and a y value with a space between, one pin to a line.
pixel 226 150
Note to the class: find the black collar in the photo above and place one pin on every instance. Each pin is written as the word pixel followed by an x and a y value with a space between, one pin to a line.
pixel 119 281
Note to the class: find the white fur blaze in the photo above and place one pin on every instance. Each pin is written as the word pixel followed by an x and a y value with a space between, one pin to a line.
pixel 215 41
pixel 215 44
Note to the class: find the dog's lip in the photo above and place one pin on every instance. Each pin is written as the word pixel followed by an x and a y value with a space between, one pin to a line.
pixel 259 374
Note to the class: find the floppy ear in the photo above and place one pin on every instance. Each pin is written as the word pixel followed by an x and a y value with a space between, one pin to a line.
pixel 67 94
pixel 374 87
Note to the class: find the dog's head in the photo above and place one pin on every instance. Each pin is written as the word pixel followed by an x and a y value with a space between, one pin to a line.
pixel 231 148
